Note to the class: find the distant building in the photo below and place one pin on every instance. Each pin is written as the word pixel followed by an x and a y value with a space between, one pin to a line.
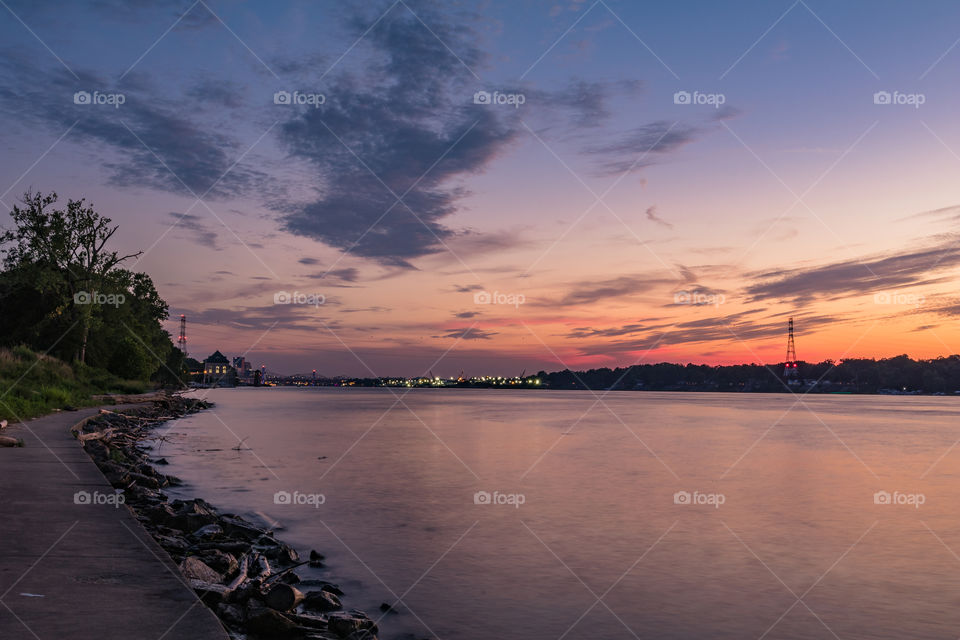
pixel 217 370
pixel 244 369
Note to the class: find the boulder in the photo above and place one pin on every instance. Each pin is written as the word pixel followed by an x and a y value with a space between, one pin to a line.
pixel 208 531
pixel 322 601
pixel 281 553
pixel 267 623
pixel 194 568
pixel 231 614
pixel 221 562
pixel 190 515
pixel 346 624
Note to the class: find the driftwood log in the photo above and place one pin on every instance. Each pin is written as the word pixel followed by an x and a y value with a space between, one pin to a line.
pixel 283 597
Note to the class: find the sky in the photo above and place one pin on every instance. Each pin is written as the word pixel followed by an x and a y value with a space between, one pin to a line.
pixel 402 187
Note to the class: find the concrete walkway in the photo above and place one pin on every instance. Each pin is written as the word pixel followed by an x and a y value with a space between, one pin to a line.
pixel 81 571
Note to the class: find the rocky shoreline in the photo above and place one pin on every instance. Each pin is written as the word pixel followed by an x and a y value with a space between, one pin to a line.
pixel 239 570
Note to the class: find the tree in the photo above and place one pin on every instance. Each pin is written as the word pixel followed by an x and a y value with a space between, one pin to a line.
pixel 66 250
pixel 65 292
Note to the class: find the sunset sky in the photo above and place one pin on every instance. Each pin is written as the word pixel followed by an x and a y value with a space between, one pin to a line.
pixel 610 219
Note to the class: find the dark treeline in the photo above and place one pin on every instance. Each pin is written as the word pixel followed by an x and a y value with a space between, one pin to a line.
pixel 854 375
pixel 63 291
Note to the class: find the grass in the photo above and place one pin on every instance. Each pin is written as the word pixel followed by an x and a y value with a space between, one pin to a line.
pixel 33 384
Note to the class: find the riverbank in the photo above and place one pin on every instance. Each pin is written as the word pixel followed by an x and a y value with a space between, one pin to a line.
pixel 77 568
pixel 242 572
pixel 35 384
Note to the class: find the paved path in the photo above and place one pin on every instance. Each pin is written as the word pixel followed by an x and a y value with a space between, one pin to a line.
pixel 81 571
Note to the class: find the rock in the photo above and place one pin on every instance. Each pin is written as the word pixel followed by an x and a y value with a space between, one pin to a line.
pixel 323 585
pixel 388 608
pixel 208 531
pixel 282 553
pixel 290 578
pixel 315 555
pixel 172 543
pixel 190 515
pixel 146 481
pixel 228 547
pixel 231 614
pixel 283 597
pixel 223 563
pixel 322 601
pixel 267 623
pixel 307 620
pixel 160 461
pixel 136 493
pixel 96 449
pixel 161 514
pixel 238 528
pixel 345 624
pixel 194 568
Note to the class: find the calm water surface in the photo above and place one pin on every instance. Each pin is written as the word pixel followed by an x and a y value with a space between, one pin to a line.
pixel 600 548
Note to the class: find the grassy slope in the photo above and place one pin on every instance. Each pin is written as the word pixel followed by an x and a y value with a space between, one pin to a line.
pixel 32 384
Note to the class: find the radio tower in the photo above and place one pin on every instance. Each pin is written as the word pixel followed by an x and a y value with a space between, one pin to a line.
pixel 182 340
pixel 790 369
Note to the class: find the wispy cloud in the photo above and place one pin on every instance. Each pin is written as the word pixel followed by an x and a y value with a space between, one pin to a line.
pixel 894 270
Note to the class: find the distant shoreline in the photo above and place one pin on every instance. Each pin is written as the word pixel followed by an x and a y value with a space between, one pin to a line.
pixel 798 392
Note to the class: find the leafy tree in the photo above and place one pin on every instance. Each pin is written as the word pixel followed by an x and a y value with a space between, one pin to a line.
pixel 65 251
pixel 65 291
